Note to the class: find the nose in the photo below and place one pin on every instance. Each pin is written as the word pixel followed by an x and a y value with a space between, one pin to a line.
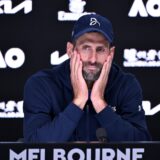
pixel 93 57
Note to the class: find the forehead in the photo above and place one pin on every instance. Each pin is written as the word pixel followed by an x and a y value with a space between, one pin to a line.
pixel 92 37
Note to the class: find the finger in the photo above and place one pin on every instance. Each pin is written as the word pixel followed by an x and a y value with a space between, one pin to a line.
pixel 110 59
pixel 103 74
pixel 76 67
pixel 72 68
pixel 72 62
pixel 106 69
pixel 80 76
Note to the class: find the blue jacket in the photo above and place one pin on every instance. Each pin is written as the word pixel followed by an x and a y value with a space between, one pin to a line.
pixel 50 115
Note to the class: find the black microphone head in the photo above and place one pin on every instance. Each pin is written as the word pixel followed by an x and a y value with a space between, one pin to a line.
pixel 101 134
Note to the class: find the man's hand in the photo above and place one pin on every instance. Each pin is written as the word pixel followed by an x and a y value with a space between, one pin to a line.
pixel 97 93
pixel 78 83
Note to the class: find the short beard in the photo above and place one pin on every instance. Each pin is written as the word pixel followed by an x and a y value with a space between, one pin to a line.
pixel 90 78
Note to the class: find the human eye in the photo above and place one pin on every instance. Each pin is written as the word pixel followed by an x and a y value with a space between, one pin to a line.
pixel 86 49
pixel 101 50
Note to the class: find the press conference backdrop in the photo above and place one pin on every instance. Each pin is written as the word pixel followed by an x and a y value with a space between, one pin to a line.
pixel 33 36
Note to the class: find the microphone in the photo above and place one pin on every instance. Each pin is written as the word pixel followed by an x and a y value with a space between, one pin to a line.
pixel 101 134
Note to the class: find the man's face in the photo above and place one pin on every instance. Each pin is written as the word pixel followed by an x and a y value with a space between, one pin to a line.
pixel 94 50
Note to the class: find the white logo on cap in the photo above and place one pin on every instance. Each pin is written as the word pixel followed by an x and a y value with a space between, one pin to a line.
pixel 94 21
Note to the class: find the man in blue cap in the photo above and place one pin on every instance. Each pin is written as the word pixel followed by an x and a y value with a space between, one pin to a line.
pixel 87 92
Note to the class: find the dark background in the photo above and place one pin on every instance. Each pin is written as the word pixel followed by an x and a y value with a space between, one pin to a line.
pixel 39 33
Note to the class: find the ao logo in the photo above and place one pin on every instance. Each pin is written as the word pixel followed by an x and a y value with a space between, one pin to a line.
pixel 6 7
pixel 14 58
pixel 152 8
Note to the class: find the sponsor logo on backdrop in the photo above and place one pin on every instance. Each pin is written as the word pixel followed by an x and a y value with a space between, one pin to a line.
pixel 62 154
pixel 13 58
pixel 148 110
pixel 56 59
pixel 6 7
pixel 139 8
pixel 76 8
pixel 142 58
pixel 11 109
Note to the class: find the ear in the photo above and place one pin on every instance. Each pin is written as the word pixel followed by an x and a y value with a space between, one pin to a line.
pixel 69 49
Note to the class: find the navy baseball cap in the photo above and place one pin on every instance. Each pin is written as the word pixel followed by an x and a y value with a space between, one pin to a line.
pixel 91 23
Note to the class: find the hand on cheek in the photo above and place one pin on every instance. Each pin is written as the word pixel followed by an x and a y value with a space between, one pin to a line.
pixel 78 83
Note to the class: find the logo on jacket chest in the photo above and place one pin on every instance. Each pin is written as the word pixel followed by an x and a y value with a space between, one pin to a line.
pixel 114 108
